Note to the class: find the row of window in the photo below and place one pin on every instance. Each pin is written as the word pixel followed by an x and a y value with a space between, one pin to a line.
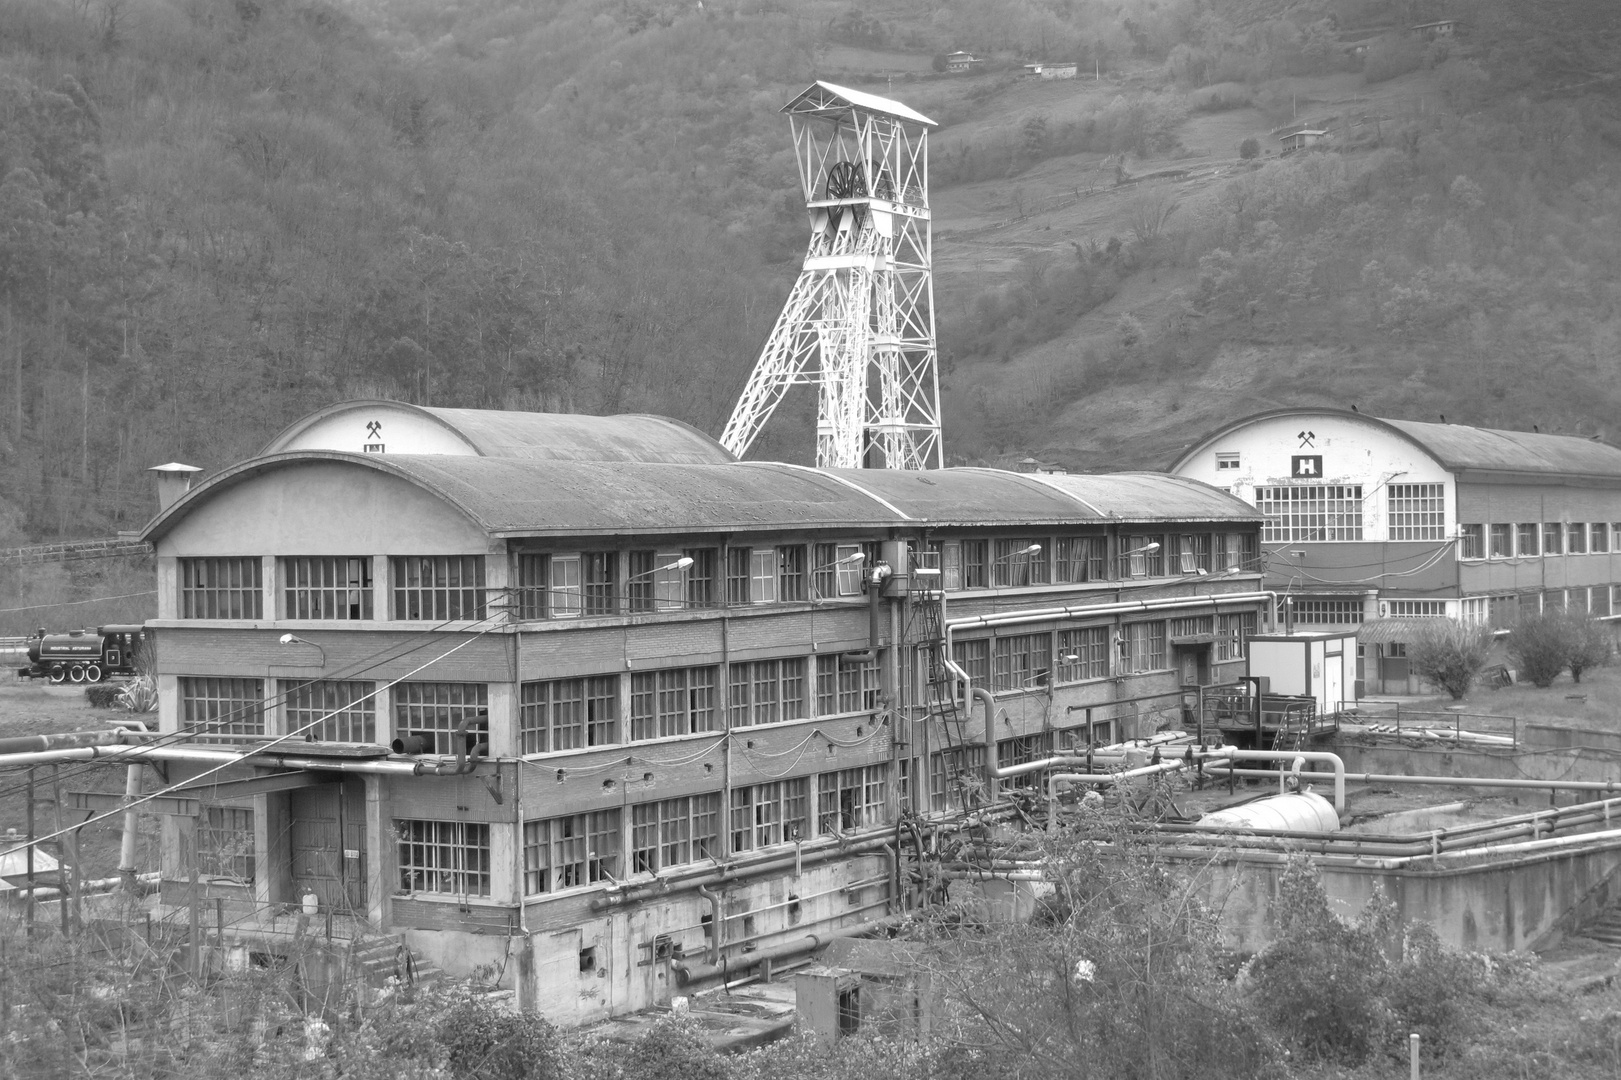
pixel 1526 540
pixel 557 714
pixel 1600 601
pixel 1310 512
pixel 600 583
pixel 1021 661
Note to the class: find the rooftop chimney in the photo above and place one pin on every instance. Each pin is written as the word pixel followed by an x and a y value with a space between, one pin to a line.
pixel 174 480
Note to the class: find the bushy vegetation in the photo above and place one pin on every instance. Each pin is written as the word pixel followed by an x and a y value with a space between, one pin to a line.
pixel 1544 646
pixel 1450 654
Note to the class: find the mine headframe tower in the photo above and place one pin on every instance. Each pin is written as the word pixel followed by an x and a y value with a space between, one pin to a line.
pixel 859 323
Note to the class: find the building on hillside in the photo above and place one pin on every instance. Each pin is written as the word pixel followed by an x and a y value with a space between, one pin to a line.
pixel 587 700
pixel 1301 138
pixel 1371 522
pixel 960 62
pixel 1441 28
pixel 1051 71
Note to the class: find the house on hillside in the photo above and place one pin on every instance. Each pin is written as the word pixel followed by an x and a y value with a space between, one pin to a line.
pixel 1301 138
pixel 1431 30
pixel 1051 71
pixel 960 62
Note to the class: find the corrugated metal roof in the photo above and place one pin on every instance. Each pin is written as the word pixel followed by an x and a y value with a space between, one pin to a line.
pixel 1459 447
pixel 1149 496
pixel 546 436
pixel 530 496
pixel 825 97
pixel 1392 631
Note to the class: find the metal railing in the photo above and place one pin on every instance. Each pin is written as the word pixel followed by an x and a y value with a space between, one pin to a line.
pixel 1454 725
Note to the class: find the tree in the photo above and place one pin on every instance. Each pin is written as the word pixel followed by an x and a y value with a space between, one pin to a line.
pixel 1540 647
pixel 1249 149
pixel 1450 654
pixel 1590 645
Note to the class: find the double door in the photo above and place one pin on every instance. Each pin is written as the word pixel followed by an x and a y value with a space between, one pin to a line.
pixel 328 834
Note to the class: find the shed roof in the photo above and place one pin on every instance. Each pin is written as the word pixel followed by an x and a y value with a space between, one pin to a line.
pixel 1463 449
pixel 1405 631
pixel 547 436
pixel 829 100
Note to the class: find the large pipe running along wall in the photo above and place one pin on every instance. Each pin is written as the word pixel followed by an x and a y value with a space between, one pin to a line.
pixel 1014 618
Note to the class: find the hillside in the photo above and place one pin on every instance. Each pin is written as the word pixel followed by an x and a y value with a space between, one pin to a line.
pixel 218 214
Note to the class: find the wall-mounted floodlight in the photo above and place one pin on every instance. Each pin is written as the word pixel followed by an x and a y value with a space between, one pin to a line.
pixel 294 639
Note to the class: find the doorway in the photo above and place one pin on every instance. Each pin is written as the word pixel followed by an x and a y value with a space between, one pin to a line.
pixel 329 846
pixel 1193 664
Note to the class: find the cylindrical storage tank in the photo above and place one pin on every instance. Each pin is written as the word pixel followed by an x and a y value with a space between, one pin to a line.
pixel 1302 811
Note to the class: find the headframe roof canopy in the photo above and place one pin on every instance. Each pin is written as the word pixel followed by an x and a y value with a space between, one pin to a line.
pixel 830 101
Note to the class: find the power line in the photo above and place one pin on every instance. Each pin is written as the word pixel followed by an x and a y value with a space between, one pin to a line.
pixel 71 603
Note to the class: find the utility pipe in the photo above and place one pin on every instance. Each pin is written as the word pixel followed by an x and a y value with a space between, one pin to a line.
pixel 715 922
pixel 1290 755
pixel 629 892
pixel 22 744
pixel 686 973
pixel 1174 765
pixel 1440 781
pixel 126 850
pixel 201 756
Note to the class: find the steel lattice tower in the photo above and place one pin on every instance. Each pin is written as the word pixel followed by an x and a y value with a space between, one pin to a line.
pixel 859 322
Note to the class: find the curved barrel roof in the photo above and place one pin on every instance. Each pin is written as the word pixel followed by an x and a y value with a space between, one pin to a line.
pixel 536 435
pixel 518 496
pixel 1460 448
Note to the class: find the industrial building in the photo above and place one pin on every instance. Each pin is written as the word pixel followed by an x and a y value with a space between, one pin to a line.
pixel 1372 523
pixel 589 701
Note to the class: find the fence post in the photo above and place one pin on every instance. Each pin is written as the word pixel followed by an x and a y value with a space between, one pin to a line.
pixel 1412 1055
pixel 196 927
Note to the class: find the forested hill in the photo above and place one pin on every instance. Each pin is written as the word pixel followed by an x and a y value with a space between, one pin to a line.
pixel 216 215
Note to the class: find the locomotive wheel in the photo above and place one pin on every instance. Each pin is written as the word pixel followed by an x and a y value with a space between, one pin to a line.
pixel 92 673
pixel 76 673
pixel 57 675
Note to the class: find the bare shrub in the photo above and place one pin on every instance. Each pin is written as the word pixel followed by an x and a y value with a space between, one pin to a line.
pixel 1450 654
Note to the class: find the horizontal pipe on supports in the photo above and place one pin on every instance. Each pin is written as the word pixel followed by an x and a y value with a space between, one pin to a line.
pixel 705 876
pixel 688 973
pixel 1438 781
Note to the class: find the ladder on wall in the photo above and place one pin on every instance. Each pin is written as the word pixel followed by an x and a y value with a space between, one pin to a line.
pixel 941 701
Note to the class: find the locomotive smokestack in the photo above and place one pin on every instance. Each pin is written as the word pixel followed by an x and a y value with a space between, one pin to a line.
pixel 174 480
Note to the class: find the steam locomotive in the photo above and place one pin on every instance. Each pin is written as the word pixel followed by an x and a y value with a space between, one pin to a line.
pixel 83 656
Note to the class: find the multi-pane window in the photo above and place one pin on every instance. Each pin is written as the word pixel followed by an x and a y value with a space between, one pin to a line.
pixel 1417 609
pixel 674 831
pixel 836 570
pixel 975 563
pixel 221 589
pixel 225 843
pixel 567 852
pixel 331 711
pixel 763 576
pixel 1601 601
pixel 599 581
pixel 1417 511
pixel 1081 558
pixel 1553 538
pixel 1236 551
pixel 1474 610
pixel 956 777
pixel 792 582
pixel 532 582
pixel 1193 626
pixel 1529 539
pixel 1323 611
pixel 438 588
pixel 1142 556
pixel 767 814
pixel 565 597
pixel 1021 661
pixel 700 577
pixel 1307 513
pixel 1471 541
pixel 851 799
pixel 765 691
pixel 1144 645
pixel 1016 563
pixel 210 706
pixel 567 714
pixel 448 858
pixel 1083 654
pixel 1194 553
pixel 434 710
pixel 846 684
pixel 1022 750
pixel 1576 538
pixel 326 587
pixel 974 657
pixel 1502 541
pixel 640 569
pixel 1227 462
pixel 1599 537
pixel 676 701
pixel 737 575
pixel 1232 632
